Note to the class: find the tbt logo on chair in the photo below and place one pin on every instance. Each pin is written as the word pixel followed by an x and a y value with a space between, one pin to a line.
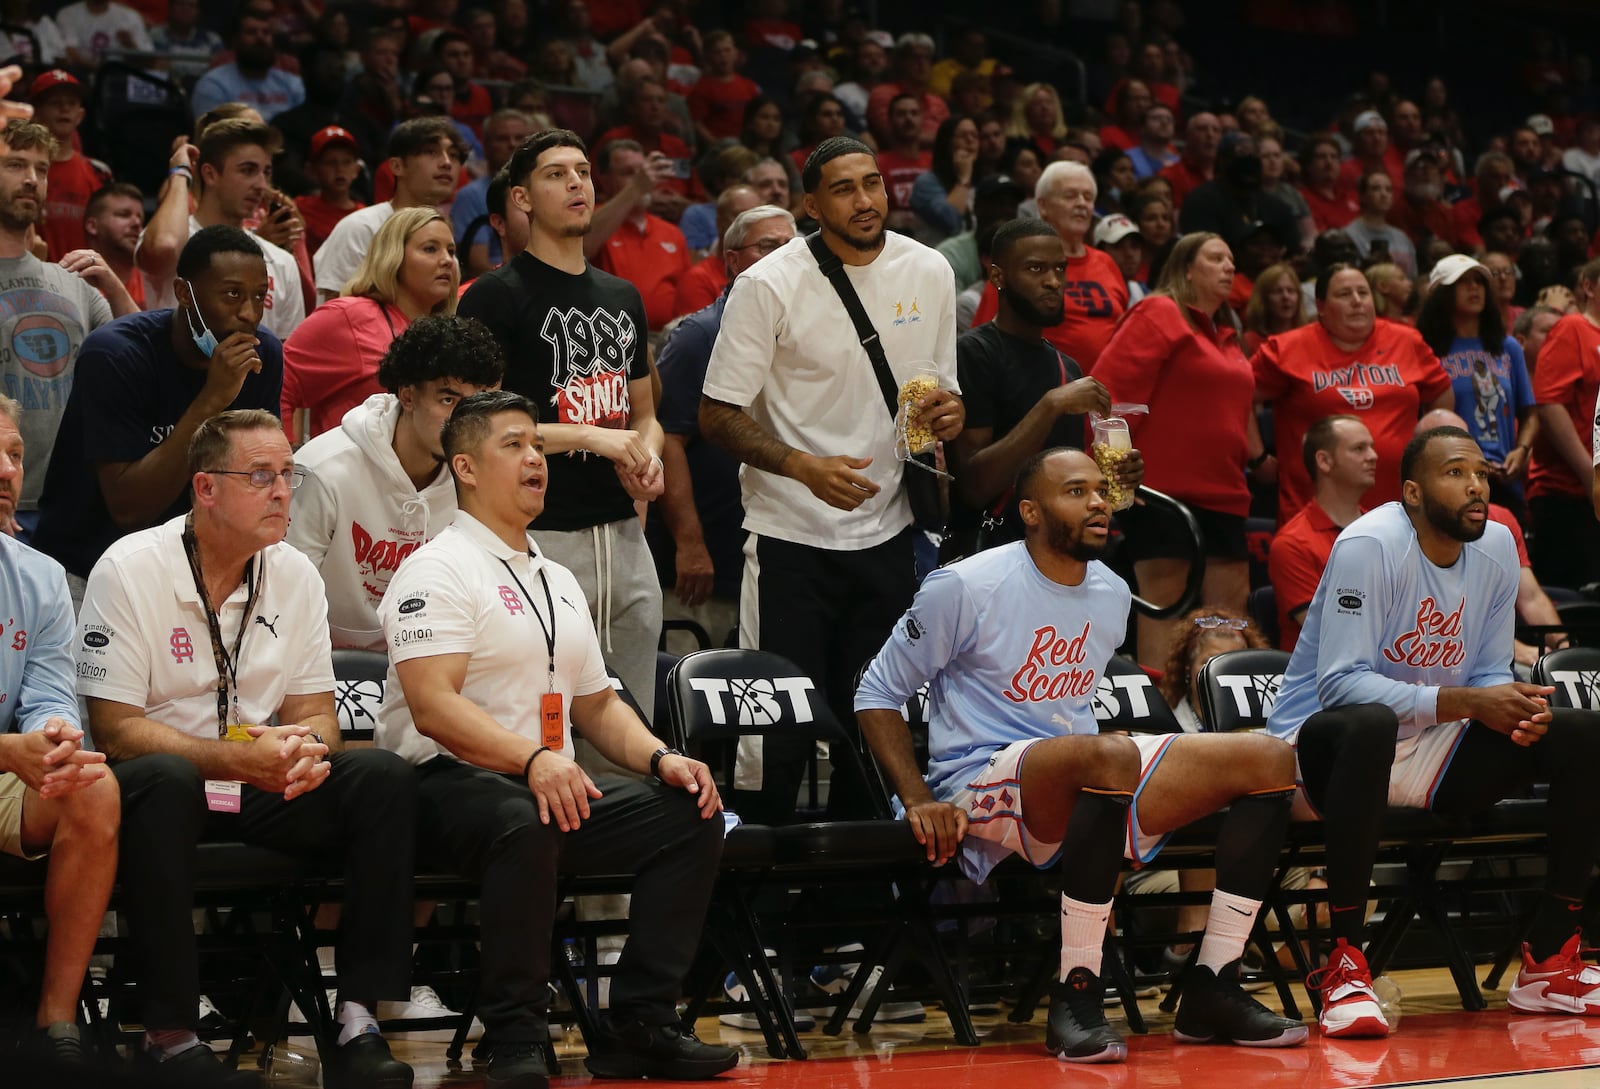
pixel 755 702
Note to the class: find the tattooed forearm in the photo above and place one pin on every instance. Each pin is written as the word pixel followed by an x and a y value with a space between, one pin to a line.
pixel 732 429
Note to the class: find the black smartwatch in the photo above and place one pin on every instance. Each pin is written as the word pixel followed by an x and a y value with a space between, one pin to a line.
pixel 655 759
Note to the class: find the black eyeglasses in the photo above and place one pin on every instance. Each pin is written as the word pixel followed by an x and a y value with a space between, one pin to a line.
pixel 263 478
pixel 765 246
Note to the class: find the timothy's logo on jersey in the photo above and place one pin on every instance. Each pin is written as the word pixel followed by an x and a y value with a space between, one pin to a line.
pixel 1435 641
pixel 1042 677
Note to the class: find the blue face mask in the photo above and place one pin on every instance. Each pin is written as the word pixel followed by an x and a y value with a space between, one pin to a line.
pixel 205 340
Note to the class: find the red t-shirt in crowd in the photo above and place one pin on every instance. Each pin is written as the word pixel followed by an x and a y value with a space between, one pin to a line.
pixel 1114 136
pixel 1198 387
pixel 935 111
pixel 900 173
pixel 718 104
pixel 1394 165
pixel 1568 375
pixel 1185 179
pixel 1464 216
pixel 70 185
pixel 651 257
pixel 1299 552
pixel 321 218
pixel 1096 297
pixel 330 361
pixel 472 108
pixel 1385 383
pixel 1503 515
pixel 1330 212
pixel 699 287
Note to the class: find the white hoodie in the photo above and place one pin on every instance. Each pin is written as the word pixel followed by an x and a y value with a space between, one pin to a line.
pixel 358 515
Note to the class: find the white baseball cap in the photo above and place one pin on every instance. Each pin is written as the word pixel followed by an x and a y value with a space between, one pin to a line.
pixel 1452 268
pixel 1113 229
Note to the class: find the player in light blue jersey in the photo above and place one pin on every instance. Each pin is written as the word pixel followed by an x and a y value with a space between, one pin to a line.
pixel 1400 692
pixel 1013 641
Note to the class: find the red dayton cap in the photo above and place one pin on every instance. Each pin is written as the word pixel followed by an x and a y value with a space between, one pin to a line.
pixel 49 81
pixel 333 134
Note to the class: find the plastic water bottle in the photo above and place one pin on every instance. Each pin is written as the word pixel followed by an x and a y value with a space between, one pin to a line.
pixel 1388 995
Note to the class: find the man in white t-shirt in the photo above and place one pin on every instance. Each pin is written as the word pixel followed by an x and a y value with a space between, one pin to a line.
pixel 793 395
pixel 193 635
pixel 494 663
pixel 376 487
pixel 425 154
pixel 233 166
pixel 92 28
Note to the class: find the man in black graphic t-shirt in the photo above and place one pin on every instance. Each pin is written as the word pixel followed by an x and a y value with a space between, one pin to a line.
pixel 1023 395
pixel 574 341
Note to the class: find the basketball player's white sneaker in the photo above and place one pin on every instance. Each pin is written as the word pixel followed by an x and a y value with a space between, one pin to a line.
pixel 1349 1005
pixel 1562 983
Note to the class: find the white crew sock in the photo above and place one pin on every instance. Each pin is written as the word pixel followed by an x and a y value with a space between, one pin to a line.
pixel 163 1044
pixel 354 1019
pixel 1083 934
pixel 1227 929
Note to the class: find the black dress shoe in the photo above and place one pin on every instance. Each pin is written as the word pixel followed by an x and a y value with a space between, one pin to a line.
pixel 517 1065
pixel 365 1063
pixel 631 1049
pixel 199 1066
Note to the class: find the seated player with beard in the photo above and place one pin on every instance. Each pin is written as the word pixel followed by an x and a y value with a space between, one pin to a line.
pixel 1014 641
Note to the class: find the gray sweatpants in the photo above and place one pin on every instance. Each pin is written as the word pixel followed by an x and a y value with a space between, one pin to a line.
pixel 613 566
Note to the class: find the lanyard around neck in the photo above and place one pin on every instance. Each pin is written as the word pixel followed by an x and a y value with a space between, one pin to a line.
pixel 549 630
pixel 227 662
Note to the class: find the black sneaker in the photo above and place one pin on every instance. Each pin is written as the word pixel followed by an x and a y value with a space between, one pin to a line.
pixel 1215 1008
pixel 199 1066
pixel 517 1064
pixel 635 1050
pixel 365 1063
pixel 1078 1032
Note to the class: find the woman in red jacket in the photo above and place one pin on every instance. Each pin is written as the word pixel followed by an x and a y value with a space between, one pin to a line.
pixel 330 363
pixel 1177 352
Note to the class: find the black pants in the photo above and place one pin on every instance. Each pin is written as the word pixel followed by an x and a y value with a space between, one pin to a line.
pixel 363 817
pixel 1487 765
pixel 486 826
pixel 1565 548
pixel 829 612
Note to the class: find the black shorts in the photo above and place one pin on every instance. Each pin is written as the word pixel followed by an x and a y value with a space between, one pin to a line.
pixel 1157 533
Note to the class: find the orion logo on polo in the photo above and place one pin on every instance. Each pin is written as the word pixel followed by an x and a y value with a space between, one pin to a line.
pixel 592 353
pixel 755 702
pixel 1041 678
pixel 1355 382
pixel 1434 641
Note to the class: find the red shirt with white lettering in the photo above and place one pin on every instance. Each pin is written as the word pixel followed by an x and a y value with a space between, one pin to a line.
pixel 900 173
pixel 1385 383
pixel 1198 387
pixel 1096 297
pixel 1568 375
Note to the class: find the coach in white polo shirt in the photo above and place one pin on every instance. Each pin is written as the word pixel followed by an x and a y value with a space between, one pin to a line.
pixel 493 662
pixel 193 635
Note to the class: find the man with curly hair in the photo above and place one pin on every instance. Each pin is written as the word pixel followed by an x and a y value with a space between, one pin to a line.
pixel 376 487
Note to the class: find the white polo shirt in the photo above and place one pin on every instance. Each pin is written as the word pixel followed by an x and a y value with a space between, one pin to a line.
pixel 788 352
pixel 143 640
pixel 457 595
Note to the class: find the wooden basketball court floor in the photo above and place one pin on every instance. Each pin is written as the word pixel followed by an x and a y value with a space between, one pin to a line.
pixel 1436 1044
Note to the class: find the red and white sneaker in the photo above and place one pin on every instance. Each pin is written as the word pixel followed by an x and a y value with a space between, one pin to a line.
pixel 1563 983
pixel 1349 1005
